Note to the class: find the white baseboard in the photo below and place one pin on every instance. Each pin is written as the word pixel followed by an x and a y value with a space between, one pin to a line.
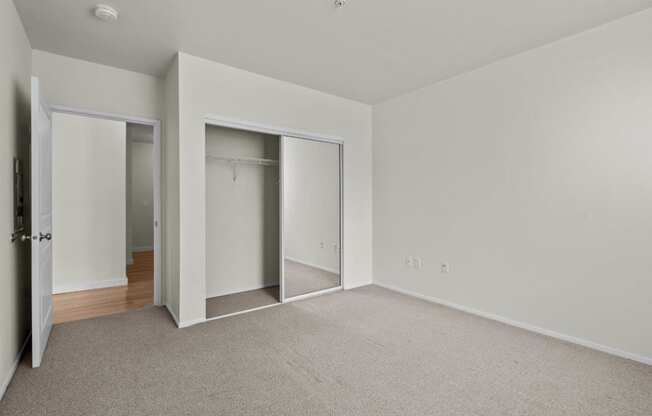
pixel 10 375
pixel 174 317
pixel 522 325
pixel 357 285
pixel 315 266
pixel 186 324
pixel 120 281
pixel 141 249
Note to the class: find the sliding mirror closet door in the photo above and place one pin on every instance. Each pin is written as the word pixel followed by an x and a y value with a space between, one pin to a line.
pixel 311 216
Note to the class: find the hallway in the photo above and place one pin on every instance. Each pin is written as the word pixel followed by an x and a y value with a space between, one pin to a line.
pixel 98 302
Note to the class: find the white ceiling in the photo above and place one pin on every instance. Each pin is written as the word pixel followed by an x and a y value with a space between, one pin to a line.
pixel 368 50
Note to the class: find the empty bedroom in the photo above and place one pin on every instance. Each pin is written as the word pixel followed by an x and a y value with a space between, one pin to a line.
pixel 326 207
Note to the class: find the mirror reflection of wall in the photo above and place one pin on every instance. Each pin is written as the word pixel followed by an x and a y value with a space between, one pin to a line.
pixel 311 215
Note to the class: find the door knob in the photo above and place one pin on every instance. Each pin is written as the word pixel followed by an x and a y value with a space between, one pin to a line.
pixel 22 237
pixel 42 236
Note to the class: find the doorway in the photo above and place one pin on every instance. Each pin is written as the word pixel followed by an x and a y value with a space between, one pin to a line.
pixel 105 210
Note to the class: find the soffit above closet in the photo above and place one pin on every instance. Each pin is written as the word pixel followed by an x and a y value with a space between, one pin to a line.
pixel 368 50
pixel 141 133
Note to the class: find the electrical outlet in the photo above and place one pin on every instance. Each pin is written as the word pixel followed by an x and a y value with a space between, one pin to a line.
pixel 413 262
pixel 409 261
pixel 418 263
pixel 445 268
pixel 321 244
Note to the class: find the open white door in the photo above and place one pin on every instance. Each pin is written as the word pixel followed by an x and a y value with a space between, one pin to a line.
pixel 41 211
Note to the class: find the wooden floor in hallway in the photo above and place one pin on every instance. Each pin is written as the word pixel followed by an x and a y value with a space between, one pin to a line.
pixel 97 302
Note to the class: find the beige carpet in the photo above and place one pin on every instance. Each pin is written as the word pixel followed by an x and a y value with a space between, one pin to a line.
pixel 301 279
pixel 242 301
pixel 362 352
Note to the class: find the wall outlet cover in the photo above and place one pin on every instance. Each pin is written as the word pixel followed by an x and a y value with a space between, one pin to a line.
pixel 418 263
pixel 409 261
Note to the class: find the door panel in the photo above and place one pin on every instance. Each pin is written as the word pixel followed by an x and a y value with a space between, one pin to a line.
pixel 311 193
pixel 41 211
pixel 281 226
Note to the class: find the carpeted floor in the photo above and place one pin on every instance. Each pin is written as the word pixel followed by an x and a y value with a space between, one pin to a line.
pixel 301 279
pixel 366 351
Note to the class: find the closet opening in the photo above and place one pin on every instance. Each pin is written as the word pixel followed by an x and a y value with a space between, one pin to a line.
pixel 273 217
pixel 242 221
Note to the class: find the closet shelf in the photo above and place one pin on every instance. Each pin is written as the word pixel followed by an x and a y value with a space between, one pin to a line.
pixel 244 160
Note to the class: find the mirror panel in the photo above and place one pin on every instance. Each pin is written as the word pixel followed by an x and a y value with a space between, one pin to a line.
pixel 311 216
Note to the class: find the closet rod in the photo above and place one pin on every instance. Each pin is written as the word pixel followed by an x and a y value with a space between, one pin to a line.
pixel 245 160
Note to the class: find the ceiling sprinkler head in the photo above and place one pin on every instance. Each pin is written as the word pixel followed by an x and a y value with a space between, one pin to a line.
pixel 340 3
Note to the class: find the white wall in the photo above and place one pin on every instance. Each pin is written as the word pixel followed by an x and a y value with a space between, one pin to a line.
pixel 532 177
pixel 85 85
pixel 170 191
pixel 312 203
pixel 242 216
pixel 88 202
pixel 14 142
pixel 207 87
pixel 141 208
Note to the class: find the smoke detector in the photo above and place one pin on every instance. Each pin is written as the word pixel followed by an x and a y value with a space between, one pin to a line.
pixel 105 13
pixel 340 3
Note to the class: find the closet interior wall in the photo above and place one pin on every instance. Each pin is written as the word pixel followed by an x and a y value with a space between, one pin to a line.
pixel 242 212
